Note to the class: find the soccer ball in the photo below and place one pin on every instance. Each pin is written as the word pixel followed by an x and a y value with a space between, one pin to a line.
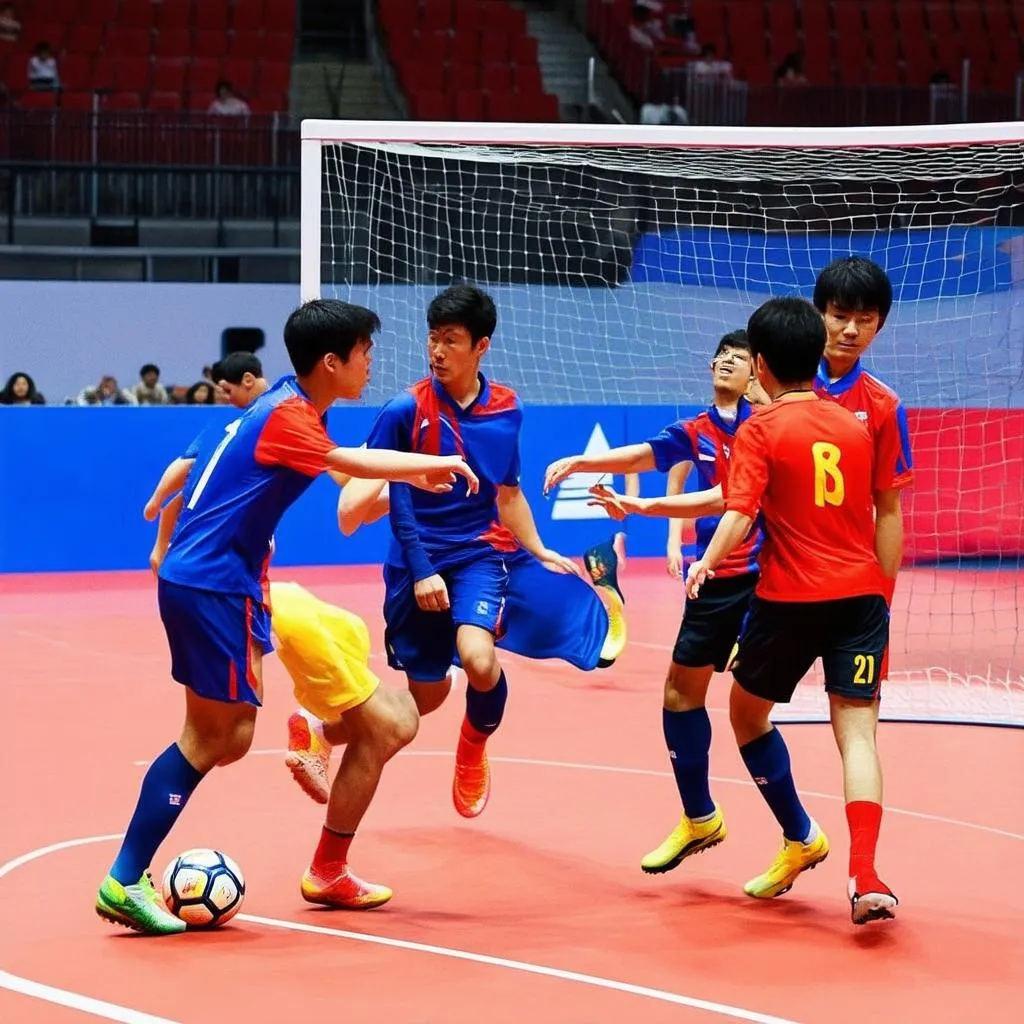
pixel 204 888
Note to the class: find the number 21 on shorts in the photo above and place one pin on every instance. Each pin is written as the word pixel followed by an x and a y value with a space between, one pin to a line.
pixel 863 670
pixel 229 432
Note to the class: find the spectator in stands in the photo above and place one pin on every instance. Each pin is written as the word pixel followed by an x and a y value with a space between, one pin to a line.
pixel 227 103
pixel 42 68
pixel 10 27
pixel 709 66
pixel 647 27
pixel 200 394
pixel 664 113
pixel 20 389
pixel 149 390
pixel 105 393
pixel 791 71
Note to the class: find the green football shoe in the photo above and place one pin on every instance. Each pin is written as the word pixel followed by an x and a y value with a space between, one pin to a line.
pixel 137 907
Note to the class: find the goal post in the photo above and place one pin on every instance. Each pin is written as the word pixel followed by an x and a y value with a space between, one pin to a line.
pixel 619 254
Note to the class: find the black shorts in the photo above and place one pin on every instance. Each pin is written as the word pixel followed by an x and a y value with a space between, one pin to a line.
pixel 781 640
pixel 711 622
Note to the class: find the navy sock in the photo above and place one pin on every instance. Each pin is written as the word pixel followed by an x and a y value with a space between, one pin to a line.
pixel 166 788
pixel 484 709
pixel 688 738
pixel 767 760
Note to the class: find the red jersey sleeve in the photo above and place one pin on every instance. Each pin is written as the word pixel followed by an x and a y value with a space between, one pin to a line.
pixel 294 437
pixel 748 470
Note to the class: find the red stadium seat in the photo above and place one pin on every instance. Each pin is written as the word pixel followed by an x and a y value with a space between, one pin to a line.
pixel 210 44
pixel 173 42
pixel 127 42
pixel 75 72
pixel 136 14
pixel 465 48
pixel 494 47
pixel 77 101
pixel 85 39
pixel 524 50
pixel 202 77
pixel 38 100
pixel 431 106
pixel 246 45
pixel 99 12
pixel 435 15
pixel 463 77
pixel 241 74
pixel 279 16
pixel 469 106
pixel 528 79
pixel 174 14
pixel 169 76
pixel 496 78
pixel 123 101
pixel 274 78
pixel 133 74
pixel 278 46
pixel 166 101
pixel 248 16
pixel 211 14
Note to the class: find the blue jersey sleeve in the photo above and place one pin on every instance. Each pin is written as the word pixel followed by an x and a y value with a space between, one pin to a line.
pixel 515 467
pixel 393 429
pixel 671 446
pixel 393 426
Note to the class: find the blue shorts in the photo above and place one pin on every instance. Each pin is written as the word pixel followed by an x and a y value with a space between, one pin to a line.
pixel 422 644
pixel 552 615
pixel 212 638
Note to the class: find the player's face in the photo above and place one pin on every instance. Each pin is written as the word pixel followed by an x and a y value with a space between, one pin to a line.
pixel 731 371
pixel 850 332
pixel 353 374
pixel 237 395
pixel 454 359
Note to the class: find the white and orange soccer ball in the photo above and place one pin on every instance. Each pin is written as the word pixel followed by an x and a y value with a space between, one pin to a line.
pixel 204 888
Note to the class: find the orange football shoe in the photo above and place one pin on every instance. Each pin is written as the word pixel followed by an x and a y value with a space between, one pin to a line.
pixel 345 891
pixel 309 756
pixel 472 784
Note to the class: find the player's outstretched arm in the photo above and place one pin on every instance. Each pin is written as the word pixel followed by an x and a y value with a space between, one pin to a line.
pixel 515 513
pixel 362 502
pixel 679 506
pixel 172 480
pixel 630 458
pixel 732 529
pixel 677 477
pixel 434 473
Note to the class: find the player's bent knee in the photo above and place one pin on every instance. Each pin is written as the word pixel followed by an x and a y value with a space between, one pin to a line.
pixel 686 688
pixel 748 715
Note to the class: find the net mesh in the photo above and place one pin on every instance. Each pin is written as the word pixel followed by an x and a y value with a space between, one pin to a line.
pixel 616 269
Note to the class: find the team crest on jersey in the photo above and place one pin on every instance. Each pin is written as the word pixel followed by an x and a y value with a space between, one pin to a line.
pixel 861 415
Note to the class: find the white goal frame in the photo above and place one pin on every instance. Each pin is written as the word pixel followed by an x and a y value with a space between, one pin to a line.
pixel 316 133
pixel 1003 707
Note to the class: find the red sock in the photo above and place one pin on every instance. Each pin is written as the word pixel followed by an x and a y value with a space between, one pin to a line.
pixel 332 854
pixel 471 735
pixel 865 819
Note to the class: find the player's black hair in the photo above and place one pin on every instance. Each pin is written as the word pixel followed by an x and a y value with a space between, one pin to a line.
pixel 734 339
pixel 854 283
pixel 790 335
pixel 464 305
pixel 321 326
pixel 149 368
pixel 234 366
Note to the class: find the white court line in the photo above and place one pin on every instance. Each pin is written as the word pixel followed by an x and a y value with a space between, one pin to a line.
pixel 651 773
pixel 59 996
pixel 126 1015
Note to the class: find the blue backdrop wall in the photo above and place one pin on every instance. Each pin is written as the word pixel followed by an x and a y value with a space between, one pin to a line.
pixel 75 481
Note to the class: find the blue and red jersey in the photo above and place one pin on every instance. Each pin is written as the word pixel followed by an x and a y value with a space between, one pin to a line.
pixel 243 480
pixel 706 441
pixel 879 408
pixel 431 531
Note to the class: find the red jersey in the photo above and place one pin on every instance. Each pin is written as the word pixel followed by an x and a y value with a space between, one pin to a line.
pixel 809 468
pixel 880 409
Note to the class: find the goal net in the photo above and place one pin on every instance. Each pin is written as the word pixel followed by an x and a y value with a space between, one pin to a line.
pixel 618 255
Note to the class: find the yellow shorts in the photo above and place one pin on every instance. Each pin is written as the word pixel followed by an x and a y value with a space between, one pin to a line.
pixel 325 649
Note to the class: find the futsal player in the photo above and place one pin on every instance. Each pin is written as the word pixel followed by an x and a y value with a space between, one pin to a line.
pixel 239 377
pixel 810 469
pixel 213 601
pixel 711 622
pixel 446 573
pixel 546 616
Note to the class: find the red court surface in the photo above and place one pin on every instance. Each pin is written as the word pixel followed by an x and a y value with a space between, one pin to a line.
pixel 537 911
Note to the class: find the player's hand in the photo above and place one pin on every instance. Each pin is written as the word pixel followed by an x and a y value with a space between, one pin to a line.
pixel 674 562
pixel 558 471
pixel 699 572
pixel 156 557
pixel 440 481
pixel 432 594
pixel 618 506
pixel 554 562
pixel 151 509
pixel 756 394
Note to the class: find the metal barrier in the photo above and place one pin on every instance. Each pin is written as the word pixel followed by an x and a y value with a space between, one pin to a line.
pixel 134 191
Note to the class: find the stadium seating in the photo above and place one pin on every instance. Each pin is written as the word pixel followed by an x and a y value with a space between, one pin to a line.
pixel 159 54
pixel 842 42
pixel 465 60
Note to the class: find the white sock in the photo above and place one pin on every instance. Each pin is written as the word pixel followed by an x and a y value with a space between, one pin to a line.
pixel 813 834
